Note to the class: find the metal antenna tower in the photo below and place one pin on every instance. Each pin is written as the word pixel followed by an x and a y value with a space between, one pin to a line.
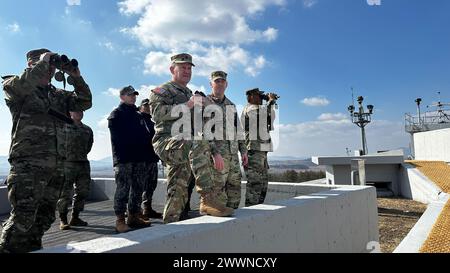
pixel 441 117
pixel 361 119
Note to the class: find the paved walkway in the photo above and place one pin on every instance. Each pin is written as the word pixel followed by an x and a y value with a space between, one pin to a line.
pixel 101 219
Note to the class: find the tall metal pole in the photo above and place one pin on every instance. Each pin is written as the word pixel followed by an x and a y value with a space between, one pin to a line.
pixel 363 136
pixel 361 119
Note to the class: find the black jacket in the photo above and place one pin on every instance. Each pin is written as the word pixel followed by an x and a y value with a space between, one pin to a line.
pixel 129 136
pixel 150 126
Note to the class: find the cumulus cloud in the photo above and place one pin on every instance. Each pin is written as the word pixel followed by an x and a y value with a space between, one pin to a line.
pixel 14 27
pixel 113 92
pixel 316 101
pixel 74 2
pixel 214 32
pixel 335 117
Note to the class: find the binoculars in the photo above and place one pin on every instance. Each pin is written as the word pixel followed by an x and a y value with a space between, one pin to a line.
pixel 200 93
pixel 266 96
pixel 63 64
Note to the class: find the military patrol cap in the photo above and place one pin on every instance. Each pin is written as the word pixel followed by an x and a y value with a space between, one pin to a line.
pixel 34 55
pixel 145 102
pixel 129 90
pixel 182 58
pixel 254 91
pixel 218 75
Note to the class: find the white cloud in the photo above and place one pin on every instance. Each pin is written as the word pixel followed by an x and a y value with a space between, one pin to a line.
pixel 74 2
pixel 103 123
pixel 214 32
pixel 258 64
pixel 144 91
pixel 113 92
pixel 194 88
pixel 14 27
pixel 107 45
pixel 102 144
pixel 316 101
pixel 335 117
pixel 309 3
pixel 130 7
pixel 332 137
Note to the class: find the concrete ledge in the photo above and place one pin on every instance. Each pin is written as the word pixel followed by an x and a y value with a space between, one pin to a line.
pixel 337 220
pixel 104 189
pixel 419 233
pixel 347 160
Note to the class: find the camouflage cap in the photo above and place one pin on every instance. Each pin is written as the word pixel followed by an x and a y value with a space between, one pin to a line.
pixel 218 75
pixel 145 102
pixel 129 90
pixel 254 91
pixel 34 55
pixel 182 58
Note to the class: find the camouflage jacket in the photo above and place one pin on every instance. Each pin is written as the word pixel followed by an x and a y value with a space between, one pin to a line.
pixel 79 140
pixel 34 131
pixel 254 121
pixel 162 101
pixel 225 145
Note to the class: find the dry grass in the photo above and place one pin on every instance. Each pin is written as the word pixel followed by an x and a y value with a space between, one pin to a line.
pixel 396 217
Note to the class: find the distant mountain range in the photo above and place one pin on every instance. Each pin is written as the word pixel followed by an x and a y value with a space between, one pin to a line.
pixel 104 167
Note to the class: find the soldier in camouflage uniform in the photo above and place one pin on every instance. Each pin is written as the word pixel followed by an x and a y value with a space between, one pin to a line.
pixel 79 141
pixel 185 159
pixel 257 139
pixel 152 164
pixel 227 182
pixel 129 139
pixel 39 112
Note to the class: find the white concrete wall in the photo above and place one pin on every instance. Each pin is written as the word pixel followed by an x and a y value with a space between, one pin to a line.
pixel 432 145
pixel 416 186
pixel 104 189
pixel 339 220
pixel 341 174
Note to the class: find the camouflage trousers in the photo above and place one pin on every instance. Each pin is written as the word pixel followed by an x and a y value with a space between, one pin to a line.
pixel 257 178
pixel 227 183
pixel 76 187
pixel 185 164
pixel 130 185
pixel 34 186
pixel 150 184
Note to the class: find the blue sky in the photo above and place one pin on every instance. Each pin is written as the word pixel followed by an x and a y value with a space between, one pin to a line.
pixel 309 51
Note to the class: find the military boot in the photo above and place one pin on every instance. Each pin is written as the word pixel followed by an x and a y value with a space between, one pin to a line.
pixel 63 225
pixel 76 221
pixel 150 213
pixel 121 227
pixel 134 220
pixel 211 206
